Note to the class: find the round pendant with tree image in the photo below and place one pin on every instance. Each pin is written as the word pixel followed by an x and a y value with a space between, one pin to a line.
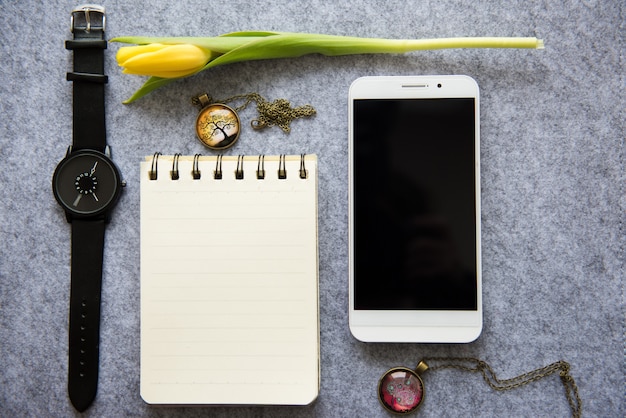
pixel 218 126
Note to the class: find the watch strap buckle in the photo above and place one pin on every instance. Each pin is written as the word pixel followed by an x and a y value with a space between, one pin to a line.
pixel 88 17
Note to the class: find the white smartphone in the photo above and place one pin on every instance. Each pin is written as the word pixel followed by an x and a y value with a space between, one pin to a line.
pixel 414 191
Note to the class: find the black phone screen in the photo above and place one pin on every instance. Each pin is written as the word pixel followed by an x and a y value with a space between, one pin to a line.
pixel 414 204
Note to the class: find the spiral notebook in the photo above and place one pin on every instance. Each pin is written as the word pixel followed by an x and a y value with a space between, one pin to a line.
pixel 229 280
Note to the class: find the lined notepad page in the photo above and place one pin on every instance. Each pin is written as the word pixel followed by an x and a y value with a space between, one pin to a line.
pixel 229 283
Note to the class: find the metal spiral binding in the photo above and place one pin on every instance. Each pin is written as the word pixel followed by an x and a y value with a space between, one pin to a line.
pixel 152 174
pixel 239 170
pixel 174 172
pixel 282 170
pixel 195 172
pixel 260 169
pixel 217 174
pixel 303 172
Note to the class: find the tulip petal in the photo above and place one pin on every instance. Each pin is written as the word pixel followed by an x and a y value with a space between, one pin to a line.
pixel 127 52
pixel 161 74
pixel 164 60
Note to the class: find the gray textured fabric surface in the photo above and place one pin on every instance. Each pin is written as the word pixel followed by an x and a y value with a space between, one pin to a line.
pixel 553 196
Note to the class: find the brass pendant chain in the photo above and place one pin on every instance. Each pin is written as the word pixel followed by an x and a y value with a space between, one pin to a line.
pixel 279 112
pixel 401 390
pixel 479 366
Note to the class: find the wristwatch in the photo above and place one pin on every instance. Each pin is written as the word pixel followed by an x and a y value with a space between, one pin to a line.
pixel 87 185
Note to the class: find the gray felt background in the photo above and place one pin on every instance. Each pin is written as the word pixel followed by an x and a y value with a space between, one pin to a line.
pixel 552 195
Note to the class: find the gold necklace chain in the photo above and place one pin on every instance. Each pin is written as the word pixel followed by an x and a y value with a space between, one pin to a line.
pixel 279 112
pixel 469 364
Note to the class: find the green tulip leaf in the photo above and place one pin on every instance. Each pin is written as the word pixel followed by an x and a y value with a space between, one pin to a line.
pixel 259 45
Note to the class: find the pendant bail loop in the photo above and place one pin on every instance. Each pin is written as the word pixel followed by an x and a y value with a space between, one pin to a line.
pixel 422 366
pixel 204 100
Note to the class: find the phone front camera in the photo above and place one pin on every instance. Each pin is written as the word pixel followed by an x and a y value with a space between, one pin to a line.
pixel 439 85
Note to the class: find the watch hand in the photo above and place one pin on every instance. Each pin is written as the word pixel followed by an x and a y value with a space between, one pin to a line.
pixel 77 199
pixel 93 170
pixel 94 196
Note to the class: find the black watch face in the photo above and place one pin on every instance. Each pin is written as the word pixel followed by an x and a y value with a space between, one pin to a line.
pixel 86 183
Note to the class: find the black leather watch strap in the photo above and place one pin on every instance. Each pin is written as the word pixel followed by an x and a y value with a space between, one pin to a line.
pixel 89 128
pixel 87 255
pixel 89 132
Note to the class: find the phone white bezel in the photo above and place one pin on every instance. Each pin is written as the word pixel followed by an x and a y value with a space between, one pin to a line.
pixel 414 326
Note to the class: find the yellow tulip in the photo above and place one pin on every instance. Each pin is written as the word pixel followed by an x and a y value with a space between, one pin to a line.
pixel 159 60
pixel 165 59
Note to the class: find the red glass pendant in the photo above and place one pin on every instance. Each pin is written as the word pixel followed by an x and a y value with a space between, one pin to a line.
pixel 401 390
